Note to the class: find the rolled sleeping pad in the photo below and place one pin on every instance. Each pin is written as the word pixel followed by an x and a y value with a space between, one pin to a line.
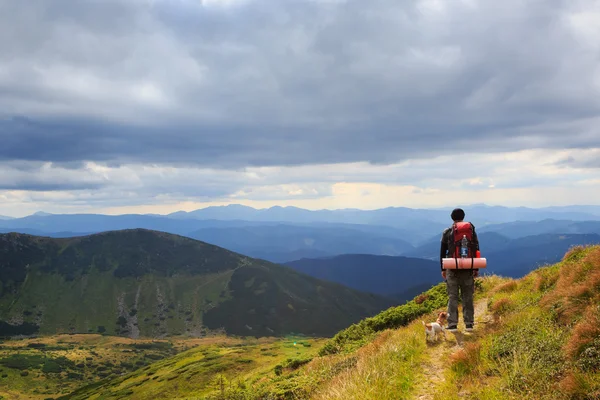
pixel 464 263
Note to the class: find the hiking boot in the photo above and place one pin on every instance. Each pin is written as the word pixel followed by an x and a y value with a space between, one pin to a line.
pixel 452 328
pixel 469 327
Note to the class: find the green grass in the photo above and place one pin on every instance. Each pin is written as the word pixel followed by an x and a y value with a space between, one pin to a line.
pixel 525 353
pixel 364 331
pixel 60 364
pixel 176 311
pixel 234 363
pixel 140 283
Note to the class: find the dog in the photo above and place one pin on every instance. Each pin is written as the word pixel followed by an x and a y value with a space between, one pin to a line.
pixel 433 329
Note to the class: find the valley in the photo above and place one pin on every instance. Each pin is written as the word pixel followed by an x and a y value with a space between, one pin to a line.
pixel 72 366
pixel 145 314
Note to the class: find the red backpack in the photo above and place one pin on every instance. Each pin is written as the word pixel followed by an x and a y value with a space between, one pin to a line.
pixel 459 230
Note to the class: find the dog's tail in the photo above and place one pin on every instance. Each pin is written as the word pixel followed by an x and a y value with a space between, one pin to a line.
pixel 423 322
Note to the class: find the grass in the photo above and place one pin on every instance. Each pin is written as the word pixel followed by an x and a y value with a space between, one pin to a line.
pixel 154 305
pixel 540 340
pixel 543 340
pixel 364 331
pixel 223 362
pixel 60 364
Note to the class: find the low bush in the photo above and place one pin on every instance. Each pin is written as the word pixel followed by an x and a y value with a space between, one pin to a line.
pixel 295 363
pixel 23 361
pixel 360 333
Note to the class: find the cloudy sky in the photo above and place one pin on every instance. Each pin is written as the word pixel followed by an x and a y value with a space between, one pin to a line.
pixel 160 105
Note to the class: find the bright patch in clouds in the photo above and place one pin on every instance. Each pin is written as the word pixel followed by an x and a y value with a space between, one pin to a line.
pixel 537 177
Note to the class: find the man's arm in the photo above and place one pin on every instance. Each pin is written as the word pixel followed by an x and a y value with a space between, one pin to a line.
pixel 476 244
pixel 443 249
pixel 475 240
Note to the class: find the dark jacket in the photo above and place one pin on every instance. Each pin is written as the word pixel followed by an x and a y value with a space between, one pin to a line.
pixel 447 244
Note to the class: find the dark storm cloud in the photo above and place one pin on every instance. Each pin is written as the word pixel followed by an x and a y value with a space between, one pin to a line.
pixel 294 82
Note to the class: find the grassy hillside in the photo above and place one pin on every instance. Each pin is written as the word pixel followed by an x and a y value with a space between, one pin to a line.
pixel 55 366
pixel 140 283
pixel 535 338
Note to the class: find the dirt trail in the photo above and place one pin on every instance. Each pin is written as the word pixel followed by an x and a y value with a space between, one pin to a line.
pixel 437 354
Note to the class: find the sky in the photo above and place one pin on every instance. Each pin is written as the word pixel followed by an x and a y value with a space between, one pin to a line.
pixel 154 106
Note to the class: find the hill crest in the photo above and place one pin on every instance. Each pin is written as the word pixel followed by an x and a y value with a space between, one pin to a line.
pixel 155 284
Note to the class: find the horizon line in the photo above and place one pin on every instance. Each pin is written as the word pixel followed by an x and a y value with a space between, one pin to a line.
pixel 444 208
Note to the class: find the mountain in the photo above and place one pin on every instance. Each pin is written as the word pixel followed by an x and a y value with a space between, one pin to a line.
pixel 523 255
pixel 280 243
pixel 385 275
pixel 5 218
pixel 520 229
pixel 535 338
pixel 404 277
pixel 36 232
pixel 154 284
pixel 230 212
pixel 103 223
pixel 395 216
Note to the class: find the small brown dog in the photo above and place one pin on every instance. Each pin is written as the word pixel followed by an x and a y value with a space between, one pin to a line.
pixel 434 328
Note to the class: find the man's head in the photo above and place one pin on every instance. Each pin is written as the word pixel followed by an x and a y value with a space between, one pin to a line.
pixel 457 215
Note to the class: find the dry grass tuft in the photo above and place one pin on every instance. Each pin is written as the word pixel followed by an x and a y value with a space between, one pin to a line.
pixel 421 298
pixel 584 332
pixel 507 287
pixel 466 360
pixel 501 306
pixel 577 286
pixel 575 386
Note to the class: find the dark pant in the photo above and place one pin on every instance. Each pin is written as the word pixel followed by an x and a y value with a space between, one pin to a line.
pixel 460 279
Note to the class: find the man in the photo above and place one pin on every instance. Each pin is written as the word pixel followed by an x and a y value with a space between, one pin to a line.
pixel 463 279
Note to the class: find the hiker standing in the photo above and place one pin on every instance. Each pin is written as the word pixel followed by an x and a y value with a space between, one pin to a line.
pixel 463 279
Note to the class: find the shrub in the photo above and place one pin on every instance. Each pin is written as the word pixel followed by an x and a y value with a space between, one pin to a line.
pixel 358 334
pixel 22 361
pixel 51 366
pixel 278 369
pixel 297 362
pixel 589 358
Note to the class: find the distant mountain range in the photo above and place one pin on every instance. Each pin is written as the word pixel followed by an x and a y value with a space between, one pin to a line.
pixel 403 277
pixel 398 277
pixel 153 284
pixel 278 243
pixel 283 234
pixel 393 216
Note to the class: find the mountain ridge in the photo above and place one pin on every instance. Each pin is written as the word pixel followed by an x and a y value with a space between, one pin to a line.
pixel 155 284
pixel 383 275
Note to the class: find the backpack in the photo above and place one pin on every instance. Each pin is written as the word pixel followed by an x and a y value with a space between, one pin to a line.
pixel 459 230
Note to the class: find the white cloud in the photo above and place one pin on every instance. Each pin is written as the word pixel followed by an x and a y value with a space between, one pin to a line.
pixel 530 177
pixel 170 103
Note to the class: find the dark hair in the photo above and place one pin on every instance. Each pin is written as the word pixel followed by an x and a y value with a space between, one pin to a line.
pixel 457 214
